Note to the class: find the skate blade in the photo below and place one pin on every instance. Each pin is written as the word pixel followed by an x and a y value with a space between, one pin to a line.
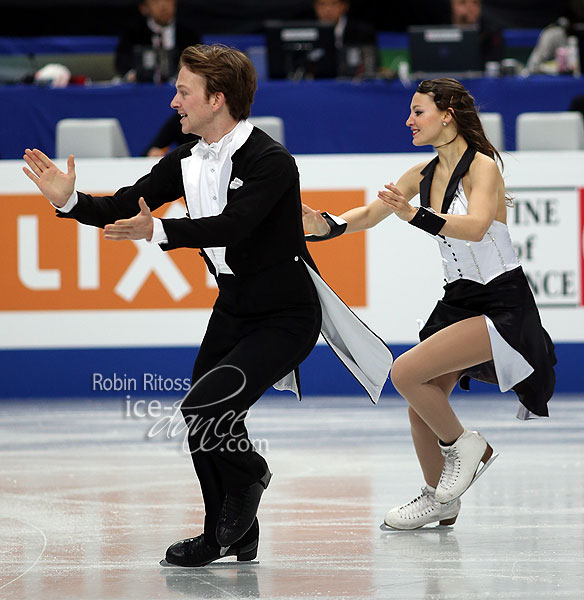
pixel 387 528
pixel 165 563
pixel 222 564
pixel 484 468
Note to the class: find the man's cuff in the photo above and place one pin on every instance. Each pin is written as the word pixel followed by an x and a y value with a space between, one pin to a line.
pixel 158 233
pixel 69 205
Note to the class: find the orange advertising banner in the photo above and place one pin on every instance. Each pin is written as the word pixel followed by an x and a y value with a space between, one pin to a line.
pixel 58 264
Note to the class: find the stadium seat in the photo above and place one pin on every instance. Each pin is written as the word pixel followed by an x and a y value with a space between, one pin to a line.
pixel 550 131
pixel 90 138
pixel 273 126
pixel 493 125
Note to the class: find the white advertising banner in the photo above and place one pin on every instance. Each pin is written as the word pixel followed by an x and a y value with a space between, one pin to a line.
pixel 544 225
pixel 64 286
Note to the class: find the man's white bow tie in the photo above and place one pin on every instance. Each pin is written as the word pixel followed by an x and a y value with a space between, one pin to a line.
pixel 205 150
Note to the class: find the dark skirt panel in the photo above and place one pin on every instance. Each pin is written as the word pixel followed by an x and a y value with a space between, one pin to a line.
pixel 508 301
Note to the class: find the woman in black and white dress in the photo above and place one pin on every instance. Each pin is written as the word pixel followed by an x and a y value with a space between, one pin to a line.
pixel 486 326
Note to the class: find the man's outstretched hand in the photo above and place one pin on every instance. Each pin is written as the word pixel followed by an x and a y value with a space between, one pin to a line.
pixel 139 227
pixel 55 185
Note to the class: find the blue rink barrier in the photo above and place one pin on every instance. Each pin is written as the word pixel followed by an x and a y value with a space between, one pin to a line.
pixel 165 372
pixel 377 110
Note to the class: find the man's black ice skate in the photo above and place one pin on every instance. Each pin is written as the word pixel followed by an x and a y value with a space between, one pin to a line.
pixel 239 511
pixel 195 552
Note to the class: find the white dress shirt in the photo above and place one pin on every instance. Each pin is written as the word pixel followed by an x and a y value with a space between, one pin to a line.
pixel 206 179
pixel 340 31
pixel 163 36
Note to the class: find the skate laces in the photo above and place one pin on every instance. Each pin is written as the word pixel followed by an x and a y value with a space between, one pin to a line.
pixel 195 546
pixel 421 505
pixel 233 506
pixel 451 468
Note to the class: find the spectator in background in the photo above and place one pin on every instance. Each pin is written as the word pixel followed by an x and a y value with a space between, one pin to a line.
pixel 551 38
pixel 465 12
pixel 149 48
pixel 348 32
pixel 355 41
pixel 470 12
pixel 555 35
pixel 169 136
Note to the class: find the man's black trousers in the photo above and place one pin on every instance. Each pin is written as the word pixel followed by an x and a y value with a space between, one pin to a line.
pixel 261 328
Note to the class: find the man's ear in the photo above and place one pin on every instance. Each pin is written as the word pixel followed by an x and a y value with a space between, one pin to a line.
pixel 218 100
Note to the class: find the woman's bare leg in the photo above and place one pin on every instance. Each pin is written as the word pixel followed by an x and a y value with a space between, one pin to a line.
pixel 424 509
pixel 425 440
pixel 416 374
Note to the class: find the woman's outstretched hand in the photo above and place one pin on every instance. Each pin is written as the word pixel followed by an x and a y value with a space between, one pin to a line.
pixel 313 221
pixel 55 185
pixel 394 199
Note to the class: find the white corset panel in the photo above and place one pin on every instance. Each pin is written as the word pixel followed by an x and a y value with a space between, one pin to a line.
pixel 478 261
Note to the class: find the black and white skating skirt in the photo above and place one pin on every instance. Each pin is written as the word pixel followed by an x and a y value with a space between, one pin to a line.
pixel 523 353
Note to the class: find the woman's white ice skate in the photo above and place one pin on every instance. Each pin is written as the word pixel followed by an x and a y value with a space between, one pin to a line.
pixel 423 510
pixel 461 465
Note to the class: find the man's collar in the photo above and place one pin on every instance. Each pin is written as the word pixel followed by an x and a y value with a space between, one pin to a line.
pixel 233 140
pixel 156 28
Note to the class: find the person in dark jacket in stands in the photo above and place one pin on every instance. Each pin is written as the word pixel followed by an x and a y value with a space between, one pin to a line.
pixel 149 48
pixel 470 12
pixel 351 37
pixel 167 137
pixel 347 31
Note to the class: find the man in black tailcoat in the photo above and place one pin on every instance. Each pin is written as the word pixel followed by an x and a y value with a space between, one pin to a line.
pixel 242 195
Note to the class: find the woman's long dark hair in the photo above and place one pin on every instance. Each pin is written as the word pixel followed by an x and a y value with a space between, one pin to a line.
pixel 451 96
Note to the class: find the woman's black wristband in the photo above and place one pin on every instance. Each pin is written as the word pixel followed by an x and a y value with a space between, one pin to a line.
pixel 428 221
pixel 336 229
